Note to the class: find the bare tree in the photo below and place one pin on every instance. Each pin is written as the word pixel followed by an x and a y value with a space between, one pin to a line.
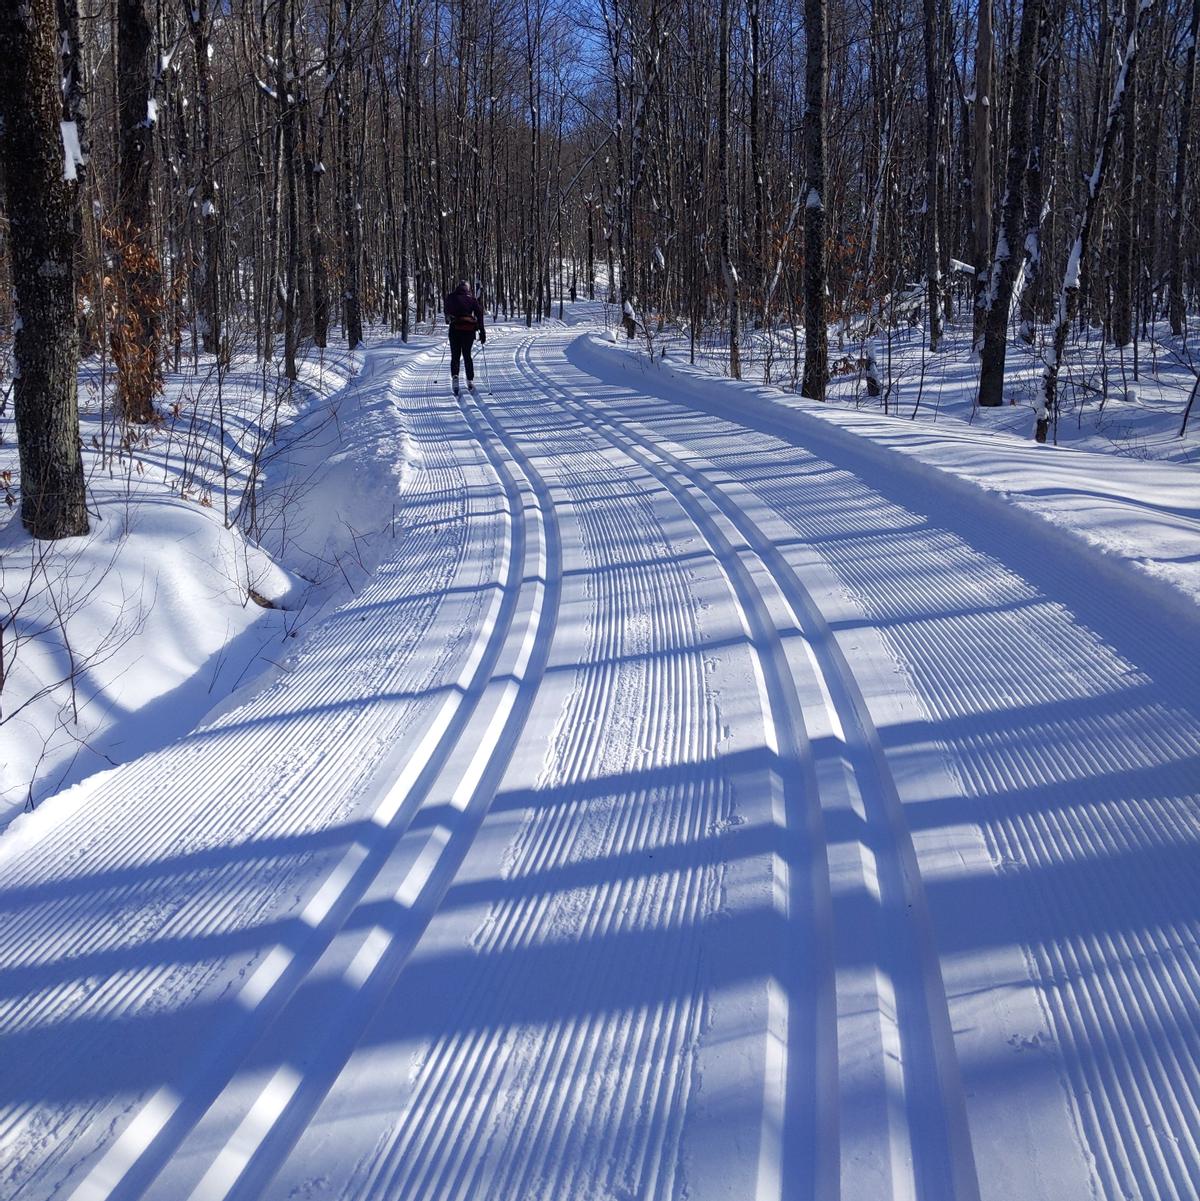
pixel 1045 114
pixel 728 269
pixel 200 18
pixel 135 331
pixel 42 155
pixel 1125 231
pixel 1179 191
pixel 1069 293
pixel 816 321
pixel 350 185
pixel 1004 265
pixel 981 167
pixel 933 117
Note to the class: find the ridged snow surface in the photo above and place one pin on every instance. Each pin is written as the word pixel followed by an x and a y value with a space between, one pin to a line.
pixel 692 805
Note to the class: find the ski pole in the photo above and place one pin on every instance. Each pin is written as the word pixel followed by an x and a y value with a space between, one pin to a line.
pixel 487 375
pixel 437 379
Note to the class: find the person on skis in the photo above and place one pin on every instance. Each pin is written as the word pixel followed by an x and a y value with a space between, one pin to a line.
pixel 464 314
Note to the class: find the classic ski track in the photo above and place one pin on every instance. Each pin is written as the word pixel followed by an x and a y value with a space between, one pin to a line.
pixel 1068 820
pixel 931 1152
pixel 801 1071
pixel 279 1112
pixel 1141 1134
pixel 67 941
pixel 1118 992
pixel 554 1091
pixel 70 932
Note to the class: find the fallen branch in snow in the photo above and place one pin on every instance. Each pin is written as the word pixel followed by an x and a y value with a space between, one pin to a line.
pixel 1188 410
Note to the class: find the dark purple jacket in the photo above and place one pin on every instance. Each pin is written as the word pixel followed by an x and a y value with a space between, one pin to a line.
pixel 461 306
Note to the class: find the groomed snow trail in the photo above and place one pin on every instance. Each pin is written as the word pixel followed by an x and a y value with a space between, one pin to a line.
pixel 693 805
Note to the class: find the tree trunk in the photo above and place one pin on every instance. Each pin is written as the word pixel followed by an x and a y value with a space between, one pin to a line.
pixel 139 301
pixel 285 88
pixel 757 166
pixel 406 171
pixel 1179 194
pixel 981 171
pixel 210 284
pixel 728 270
pixel 351 307
pixel 933 98
pixel 42 207
pixel 1044 117
pixel 816 321
pixel 314 169
pixel 1072 277
pixel 1121 321
pixel 1004 267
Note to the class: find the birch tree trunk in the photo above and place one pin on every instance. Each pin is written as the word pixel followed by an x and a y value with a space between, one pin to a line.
pixel 1072 278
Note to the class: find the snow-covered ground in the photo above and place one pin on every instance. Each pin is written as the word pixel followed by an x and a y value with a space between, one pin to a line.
pixel 120 641
pixel 706 795
pixel 1109 402
pixel 1140 510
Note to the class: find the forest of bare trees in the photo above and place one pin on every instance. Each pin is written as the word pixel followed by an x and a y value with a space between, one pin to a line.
pixel 277 173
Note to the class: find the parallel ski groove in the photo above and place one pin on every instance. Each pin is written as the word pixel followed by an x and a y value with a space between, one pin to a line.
pixel 420 1158
pixel 810 1124
pixel 467 1063
pixel 217 906
pixel 1112 778
pixel 267 1132
pixel 650 718
pixel 946 1163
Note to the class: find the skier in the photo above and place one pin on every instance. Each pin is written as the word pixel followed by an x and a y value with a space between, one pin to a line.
pixel 464 314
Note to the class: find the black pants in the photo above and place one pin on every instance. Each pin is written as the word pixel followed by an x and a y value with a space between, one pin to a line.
pixel 460 347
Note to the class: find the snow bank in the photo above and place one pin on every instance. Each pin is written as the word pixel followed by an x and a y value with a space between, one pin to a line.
pixel 122 640
pixel 123 636
pixel 1144 515
pixel 1110 400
